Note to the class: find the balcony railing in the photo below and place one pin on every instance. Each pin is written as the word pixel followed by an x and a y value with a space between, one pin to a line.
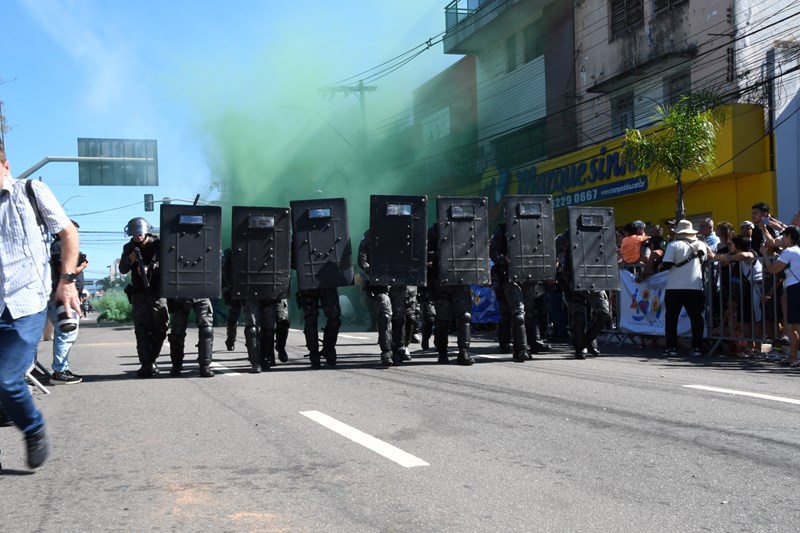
pixel 458 10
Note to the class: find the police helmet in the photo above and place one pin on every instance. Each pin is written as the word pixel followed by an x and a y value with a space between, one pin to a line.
pixel 137 226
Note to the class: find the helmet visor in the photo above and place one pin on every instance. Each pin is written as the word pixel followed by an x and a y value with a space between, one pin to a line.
pixel 137 226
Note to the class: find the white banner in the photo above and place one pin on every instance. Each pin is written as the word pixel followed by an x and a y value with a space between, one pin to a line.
pixel 641 306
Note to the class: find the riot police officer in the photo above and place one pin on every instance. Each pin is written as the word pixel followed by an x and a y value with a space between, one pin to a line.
pixel 179 309
pixel 521 303
pixel 140 257
pixel 451 302
pixel 509 296
pixel 390 305
pixel 589 310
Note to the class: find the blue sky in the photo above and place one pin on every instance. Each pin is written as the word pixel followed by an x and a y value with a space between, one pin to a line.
pixel 168 70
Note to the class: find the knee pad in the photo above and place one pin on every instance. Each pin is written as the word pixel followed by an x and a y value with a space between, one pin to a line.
pixel 205 333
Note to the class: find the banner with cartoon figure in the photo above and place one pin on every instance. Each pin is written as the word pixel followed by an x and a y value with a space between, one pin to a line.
pixel 485 309
pixel 641 305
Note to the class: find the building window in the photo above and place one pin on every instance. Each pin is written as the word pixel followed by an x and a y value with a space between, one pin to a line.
pixel 525 145
pixel 621 114
pixel 661 6
pixel 676 86
pixel 625 15
pixel 511 53
pixel 534 41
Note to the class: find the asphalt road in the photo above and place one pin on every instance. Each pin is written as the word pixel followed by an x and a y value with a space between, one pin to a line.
pixel 622 442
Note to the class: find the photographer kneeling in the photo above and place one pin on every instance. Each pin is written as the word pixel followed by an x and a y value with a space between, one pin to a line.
pixel 65 320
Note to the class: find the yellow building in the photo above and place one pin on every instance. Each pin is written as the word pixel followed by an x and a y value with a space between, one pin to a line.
pixel 597 175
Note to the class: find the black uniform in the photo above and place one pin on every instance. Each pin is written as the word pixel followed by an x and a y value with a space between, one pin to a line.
pixel 179 309
pixel 150 317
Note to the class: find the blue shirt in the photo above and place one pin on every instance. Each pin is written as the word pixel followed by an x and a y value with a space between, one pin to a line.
pixel 712 241
pixel 24 248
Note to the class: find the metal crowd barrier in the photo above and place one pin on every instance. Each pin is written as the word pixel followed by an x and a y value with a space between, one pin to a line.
pixel 743 312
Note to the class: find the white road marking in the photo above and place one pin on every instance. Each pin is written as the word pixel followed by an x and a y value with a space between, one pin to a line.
pixel 489 356
pixel 368 441
pixel 741 393
pixel 354 337
pixel 223 370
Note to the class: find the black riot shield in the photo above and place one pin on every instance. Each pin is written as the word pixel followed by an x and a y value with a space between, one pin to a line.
pixel 399 236
pixel 531 238
pixel 463 224
pixel 260 252
pixel 321 245
pixel 593 248
pixel 190 251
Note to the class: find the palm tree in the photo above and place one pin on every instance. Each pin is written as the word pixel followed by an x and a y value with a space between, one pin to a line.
pixel 686 140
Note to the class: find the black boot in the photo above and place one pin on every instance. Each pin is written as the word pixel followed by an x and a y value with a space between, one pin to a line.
pixel 386 358
pixel 330 356
pixel 315 359
pixel 205 347
pixel 281 336
pixel 268 347
pixel 464 358
pixel 427 331
pixel 520 342
pixel 252 343
pixel 230 337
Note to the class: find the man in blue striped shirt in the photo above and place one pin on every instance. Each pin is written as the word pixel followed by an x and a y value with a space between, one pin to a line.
pixel 24 291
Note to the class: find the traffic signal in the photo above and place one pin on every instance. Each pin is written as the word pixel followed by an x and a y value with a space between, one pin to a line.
pixel 148 202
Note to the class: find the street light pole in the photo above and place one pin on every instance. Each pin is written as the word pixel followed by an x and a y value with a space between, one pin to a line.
pixel 81 195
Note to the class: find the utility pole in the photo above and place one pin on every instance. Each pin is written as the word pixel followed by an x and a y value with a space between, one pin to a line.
pixel 2 125
pixel 360 91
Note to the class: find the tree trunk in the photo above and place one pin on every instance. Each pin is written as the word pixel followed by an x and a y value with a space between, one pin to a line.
pixel 680 210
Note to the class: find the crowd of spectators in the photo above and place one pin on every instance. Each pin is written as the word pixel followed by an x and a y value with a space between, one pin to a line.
pixel 749 295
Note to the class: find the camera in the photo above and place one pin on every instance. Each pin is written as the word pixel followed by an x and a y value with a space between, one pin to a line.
pixel 67 318
pixel 81 258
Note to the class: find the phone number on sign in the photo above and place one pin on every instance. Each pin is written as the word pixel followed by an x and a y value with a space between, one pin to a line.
pixel 575 198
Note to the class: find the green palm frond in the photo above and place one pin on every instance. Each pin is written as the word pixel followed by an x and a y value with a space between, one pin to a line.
pixel 685 140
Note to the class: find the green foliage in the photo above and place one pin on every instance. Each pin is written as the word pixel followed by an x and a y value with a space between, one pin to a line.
pixel 114 306
pixel 687 140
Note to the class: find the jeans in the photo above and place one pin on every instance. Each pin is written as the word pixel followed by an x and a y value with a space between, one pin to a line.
pixel 62 340
pixel 18 341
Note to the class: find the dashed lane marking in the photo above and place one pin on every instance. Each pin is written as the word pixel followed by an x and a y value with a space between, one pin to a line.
pixel 223 370
pixel 354 337
pixel 368 441
pixel 742 393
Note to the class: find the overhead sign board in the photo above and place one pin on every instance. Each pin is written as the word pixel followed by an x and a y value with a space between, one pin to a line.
pixel 121 172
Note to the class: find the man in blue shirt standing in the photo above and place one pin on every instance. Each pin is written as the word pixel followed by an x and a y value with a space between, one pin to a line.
pixel 24 291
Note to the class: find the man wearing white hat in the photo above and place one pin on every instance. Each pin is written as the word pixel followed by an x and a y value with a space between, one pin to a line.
pixel 684 259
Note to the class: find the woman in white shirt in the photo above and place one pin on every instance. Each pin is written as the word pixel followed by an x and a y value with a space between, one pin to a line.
pixel 789 261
